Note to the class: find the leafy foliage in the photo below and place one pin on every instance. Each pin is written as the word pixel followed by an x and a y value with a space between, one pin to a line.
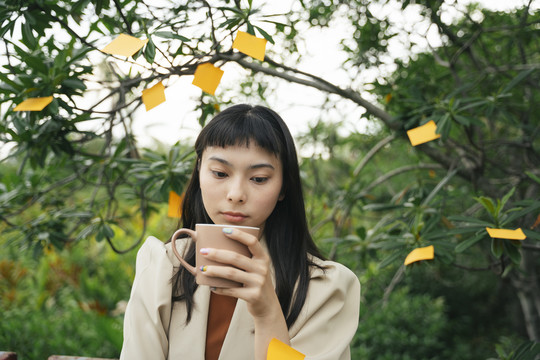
pixel 76 172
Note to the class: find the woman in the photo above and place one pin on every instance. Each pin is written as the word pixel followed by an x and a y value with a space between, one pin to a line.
pixel 247 174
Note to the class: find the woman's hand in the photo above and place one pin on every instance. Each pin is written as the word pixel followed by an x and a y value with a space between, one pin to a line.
pixel 254 273
pixel 257 290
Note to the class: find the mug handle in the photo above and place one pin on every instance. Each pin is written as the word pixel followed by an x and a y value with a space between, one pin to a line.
pixel 193 235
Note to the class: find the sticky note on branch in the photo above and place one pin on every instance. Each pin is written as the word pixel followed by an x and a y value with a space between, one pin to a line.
pixel 207 77
pixel 506 234
pixel 34 104
pixel 250 45
pixel 278 350
pixel 175 205
pixel 154 96
pixel 419 254
pixel 124 45
pixel 423 134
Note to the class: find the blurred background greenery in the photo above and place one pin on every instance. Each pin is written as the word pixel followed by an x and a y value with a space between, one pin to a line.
pixel 78 192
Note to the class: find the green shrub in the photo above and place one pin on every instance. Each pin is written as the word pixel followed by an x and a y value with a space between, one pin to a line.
pixel 66 330
pixel 64 302
pixel 407 327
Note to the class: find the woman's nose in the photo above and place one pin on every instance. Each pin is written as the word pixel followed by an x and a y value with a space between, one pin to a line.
pixel 236 192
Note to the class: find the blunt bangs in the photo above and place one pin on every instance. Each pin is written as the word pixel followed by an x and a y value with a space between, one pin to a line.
pixel 239 125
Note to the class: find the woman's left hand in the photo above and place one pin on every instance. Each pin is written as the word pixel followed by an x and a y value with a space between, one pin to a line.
pixel 254 273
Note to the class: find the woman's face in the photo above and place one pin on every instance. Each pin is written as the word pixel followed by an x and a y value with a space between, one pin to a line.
pixel 240 185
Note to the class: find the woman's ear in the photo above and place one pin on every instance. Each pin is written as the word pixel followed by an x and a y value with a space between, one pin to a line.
pixel 198 164
pixel 281 195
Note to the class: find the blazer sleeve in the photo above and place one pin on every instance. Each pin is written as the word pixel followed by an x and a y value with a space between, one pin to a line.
pixel 329 318
pixel 148 313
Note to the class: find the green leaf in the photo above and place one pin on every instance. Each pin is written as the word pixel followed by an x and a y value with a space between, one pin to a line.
pixel 99 6
pixel 6 28
pixel 518 214
pixel 28 36
pixel 513 252
pixel 507 197
pixel 381 207
pixel 86 232
pixel 531 234
pixel 528 350
pixel 265 35
pixel 532 176
pixel 439 186
pixel 230 23
pixel 36 64
pixel 390 259
pixel 150 51
pixel 462 120
pixel 80 214
pixel 497 247
pixel 488 204
pixel 235 10
pixel 519 77
pixel 74 83
pixel 171 35
pixel 461 247
pixel 4 78
pixel 137 54
pixel 469 220
pixel 443 126
pixel 108 231
pixel 451 233
pixel 250 29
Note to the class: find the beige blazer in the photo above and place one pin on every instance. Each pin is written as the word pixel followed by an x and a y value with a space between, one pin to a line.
pixel 155 328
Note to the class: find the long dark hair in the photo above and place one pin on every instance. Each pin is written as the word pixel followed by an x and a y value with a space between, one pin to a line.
pixel 285 230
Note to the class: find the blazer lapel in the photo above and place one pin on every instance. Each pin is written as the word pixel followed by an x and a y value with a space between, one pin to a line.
pixel 189 341
pixel 239 341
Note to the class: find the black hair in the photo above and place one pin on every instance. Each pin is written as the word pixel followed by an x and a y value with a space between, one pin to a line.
pixel 286 232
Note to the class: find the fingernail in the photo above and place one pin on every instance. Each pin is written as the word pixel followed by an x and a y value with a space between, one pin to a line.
pixel 203 268
pixel 227 230
pixel 204 251
pixel 213 288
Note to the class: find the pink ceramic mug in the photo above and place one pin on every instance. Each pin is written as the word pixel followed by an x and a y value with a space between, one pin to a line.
pixel 212 236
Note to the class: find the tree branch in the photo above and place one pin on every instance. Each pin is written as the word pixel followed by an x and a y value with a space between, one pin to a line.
pixel 126 22
pixel 372 152
pixel 396 172
pixel 317 83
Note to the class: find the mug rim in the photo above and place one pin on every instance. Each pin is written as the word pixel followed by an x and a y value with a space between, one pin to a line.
pixel 231 226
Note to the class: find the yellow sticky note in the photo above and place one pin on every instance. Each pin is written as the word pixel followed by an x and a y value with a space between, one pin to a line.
pixel 250 45
pixel 154 96
pixel 124 45
pixel 281 351
pixel 207 77
pixel 34 104
pixel 418 254
pixel 423 134
pixel 507 234
pixel 175 205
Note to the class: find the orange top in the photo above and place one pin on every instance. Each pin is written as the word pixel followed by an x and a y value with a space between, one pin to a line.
pixel 219 317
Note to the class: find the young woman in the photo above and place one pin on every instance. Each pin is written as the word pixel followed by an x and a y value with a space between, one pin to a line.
pixel 247 174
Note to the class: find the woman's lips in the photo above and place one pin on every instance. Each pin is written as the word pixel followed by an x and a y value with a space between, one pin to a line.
pixel 234 217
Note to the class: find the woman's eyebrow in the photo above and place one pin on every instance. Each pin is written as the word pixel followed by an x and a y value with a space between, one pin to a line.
pixel 262 165
pixel 254 166
pixel 223 161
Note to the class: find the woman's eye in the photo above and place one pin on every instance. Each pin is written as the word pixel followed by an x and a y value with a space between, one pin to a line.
pixel 219 174
pixel 259 179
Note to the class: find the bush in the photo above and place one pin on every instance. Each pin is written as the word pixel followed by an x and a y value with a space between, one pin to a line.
pixel 407 327
pixel 64 302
